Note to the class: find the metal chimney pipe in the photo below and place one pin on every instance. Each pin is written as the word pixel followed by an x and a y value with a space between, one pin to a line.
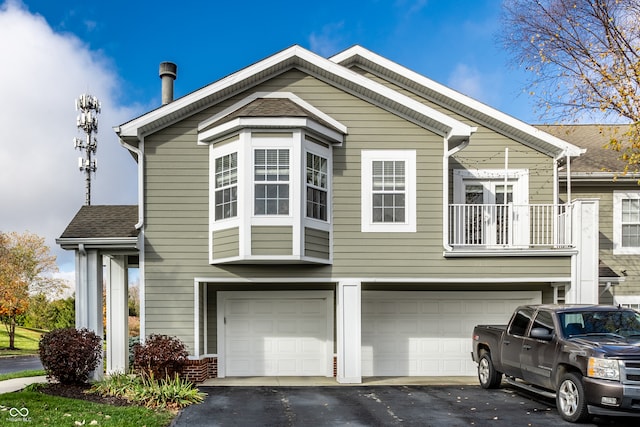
pixel 168 73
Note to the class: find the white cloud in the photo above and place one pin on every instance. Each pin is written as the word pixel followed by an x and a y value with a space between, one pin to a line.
pixel 467 80
pixel 328 41
pixel 43 72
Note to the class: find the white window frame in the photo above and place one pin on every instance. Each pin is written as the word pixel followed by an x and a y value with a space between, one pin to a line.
pixel 225 186
pixel 214 153
pixel 618 197
pixel 313 186
pixel 367 159
pixel 277 182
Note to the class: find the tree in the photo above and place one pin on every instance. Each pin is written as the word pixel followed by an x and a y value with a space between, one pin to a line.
pixel 585 59
pixel 25 268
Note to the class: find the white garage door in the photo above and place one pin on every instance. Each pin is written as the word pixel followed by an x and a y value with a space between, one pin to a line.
pixel 429 333
pixel 278 334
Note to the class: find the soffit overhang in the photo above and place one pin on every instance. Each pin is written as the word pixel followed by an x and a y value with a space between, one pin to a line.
pixel 295 57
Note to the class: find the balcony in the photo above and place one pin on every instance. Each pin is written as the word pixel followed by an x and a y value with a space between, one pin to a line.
pixel 510 227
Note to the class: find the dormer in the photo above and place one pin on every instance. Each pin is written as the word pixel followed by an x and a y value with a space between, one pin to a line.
pixel 270 164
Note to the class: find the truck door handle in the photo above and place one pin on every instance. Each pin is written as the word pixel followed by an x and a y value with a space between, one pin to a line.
pixel 526 347
pixel 506 342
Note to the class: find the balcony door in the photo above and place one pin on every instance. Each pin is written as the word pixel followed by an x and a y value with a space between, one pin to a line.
pixel 486 215
pixel 489 210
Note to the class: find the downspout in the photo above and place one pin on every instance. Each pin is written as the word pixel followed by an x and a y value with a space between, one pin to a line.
pixel 445 187
pixel 139 226
pixel 140 155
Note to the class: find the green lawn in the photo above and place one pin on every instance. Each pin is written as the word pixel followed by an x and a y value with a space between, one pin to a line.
pixel 26 342
pixel 22 374
pixel 38 409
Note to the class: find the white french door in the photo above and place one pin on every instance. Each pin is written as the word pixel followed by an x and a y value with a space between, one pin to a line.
pixel 491 211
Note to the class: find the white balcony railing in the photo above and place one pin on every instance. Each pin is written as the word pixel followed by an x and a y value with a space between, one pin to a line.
pixel 542 226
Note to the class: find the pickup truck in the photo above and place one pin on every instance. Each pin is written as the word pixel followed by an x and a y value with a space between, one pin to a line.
pixel 587 357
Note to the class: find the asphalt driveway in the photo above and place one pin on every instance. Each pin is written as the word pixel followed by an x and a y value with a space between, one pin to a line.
pixel 375 406
pixel 19 363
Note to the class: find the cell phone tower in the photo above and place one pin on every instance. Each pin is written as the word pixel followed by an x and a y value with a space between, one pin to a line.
pixel 87 121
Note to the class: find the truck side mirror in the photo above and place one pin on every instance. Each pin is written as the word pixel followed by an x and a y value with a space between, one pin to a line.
pixel 541 334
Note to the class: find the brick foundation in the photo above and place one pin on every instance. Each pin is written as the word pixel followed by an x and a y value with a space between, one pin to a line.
pixel 199 370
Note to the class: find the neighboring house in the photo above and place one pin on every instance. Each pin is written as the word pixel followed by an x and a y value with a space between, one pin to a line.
pixel 599 173
pixel 338 217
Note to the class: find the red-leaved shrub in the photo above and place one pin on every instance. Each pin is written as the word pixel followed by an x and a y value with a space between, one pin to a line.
pixel 160 356
pixel 69 355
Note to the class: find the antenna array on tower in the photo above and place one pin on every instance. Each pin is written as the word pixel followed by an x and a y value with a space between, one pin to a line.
pixel 87 121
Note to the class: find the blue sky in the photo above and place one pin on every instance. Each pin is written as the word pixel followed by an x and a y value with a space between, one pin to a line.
pixel 54 51
pixel 452 42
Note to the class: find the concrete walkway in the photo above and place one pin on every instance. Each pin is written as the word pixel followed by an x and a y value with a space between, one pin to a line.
pixel 17 384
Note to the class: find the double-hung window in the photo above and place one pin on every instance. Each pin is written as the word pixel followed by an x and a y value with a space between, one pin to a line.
pixel 226 186
pixel 388 191
pixel 626 222
pixel 271 181
pixel 317 184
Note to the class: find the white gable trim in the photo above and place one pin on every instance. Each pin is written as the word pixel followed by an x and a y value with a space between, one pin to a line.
pixel 272 95
pixel 294 56
pixel 566 148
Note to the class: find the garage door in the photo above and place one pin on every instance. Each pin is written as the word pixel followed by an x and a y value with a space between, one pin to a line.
pixel 429 333
pixel 278 334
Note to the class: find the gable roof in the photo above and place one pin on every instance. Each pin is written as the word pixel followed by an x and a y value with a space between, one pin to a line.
pixel 104 225
pixel 299 58
pixel 455 101
pixel 281 109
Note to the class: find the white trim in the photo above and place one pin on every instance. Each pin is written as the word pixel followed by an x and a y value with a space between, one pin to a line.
pixel 349 332
pixel 520 183
pixel 457 97
pixel 626 299
pixel 367 158
pixel 618 197
pixel 294 55
pixel 413 280
pixel 205 317
pixel 484 253
pixel 223 296
pixel 196 317
pixel 267 123
pixel 101 242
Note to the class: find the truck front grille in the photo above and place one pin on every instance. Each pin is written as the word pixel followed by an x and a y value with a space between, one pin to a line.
pixel 630 372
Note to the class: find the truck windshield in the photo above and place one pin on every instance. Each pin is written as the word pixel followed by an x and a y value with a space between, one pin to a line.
pixel 625 323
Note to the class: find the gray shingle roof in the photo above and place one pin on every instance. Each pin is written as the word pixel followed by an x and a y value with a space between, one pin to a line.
pixel 595 139
pixel 103 221
pixel 273 107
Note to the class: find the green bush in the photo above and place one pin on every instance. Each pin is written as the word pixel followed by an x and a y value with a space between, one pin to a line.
pixel 133 341
pixel 160 356
pixel 166 393
pixel 70 355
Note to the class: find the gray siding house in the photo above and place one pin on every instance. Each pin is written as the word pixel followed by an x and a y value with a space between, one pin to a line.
pixel 342 217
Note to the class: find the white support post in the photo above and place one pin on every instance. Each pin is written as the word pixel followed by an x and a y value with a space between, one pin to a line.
pixel 349 332
pixel 117 314
pixel 584 265
pixel 89 296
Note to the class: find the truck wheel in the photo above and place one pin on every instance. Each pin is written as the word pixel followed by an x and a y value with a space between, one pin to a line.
pixel 570 399
pixel 487 374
